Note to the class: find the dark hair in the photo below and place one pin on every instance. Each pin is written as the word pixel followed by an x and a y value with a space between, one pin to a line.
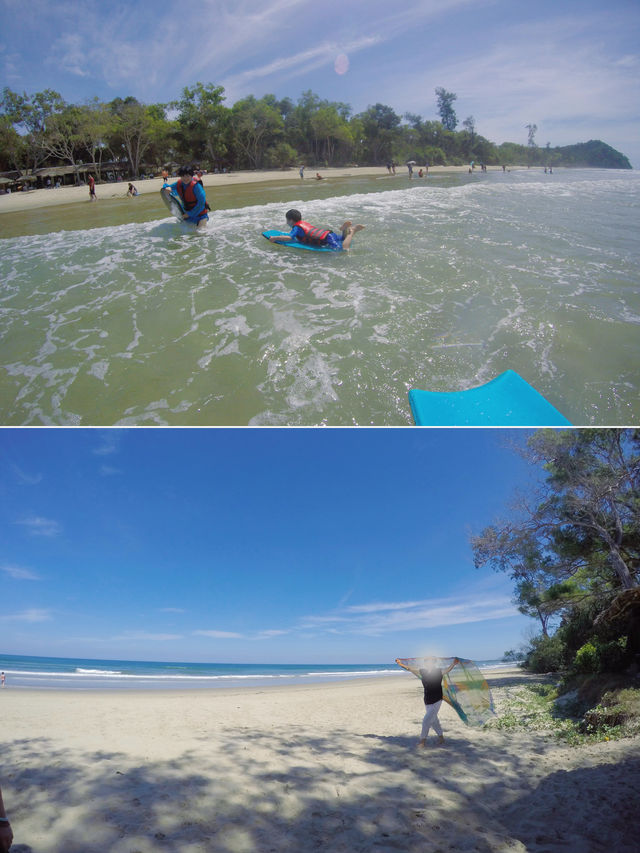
pixel 185 170
pixel 293 215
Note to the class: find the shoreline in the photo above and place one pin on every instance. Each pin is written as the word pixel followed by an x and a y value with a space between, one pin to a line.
pixel 36 199
pixel 332 767
pixel 225 684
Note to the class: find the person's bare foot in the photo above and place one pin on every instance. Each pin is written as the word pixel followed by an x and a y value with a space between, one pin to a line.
pixel 355 228
pixel 346 225
pixel 421 744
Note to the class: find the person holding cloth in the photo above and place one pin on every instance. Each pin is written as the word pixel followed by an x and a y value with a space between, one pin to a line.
pixel 431 677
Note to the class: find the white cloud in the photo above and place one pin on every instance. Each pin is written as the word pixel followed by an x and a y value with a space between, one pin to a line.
pixel 36 525
pixel 382 617
pixel 33 614
pixel 26 479
pixel 142 636
pixel 219 635
pixel 109 471
pixel 109 443
pixel 18 573
pixel 558 75
pixel 303 62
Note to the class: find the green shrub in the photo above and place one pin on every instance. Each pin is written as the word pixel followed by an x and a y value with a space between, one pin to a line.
pixel 587 659
pixel 547 654
pixel 597 656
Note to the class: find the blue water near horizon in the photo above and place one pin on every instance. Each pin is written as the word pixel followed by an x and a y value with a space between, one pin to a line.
pixel 45 673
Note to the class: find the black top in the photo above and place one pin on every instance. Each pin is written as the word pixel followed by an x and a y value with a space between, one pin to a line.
pixel 432 683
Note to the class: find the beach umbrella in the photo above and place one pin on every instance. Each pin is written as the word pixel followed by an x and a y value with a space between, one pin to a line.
pixel 411 162
pixel 6 180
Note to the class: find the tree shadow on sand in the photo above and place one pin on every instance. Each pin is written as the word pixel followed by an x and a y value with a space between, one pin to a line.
pixel 281 790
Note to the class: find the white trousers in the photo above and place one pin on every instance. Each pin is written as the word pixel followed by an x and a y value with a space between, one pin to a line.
pixel 431 719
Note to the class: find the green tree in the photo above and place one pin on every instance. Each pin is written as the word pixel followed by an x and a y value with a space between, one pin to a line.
pixel 64 137
pixel 203 122
pixel 95 125
pixel 573 545
pixel 381 127
pixel 445 108
pixel 134 130
pixel 255 126
pixel 30 114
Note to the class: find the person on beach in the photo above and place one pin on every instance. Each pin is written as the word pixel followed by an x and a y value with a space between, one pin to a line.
pixel 432 683
pixel 92 188
pixel 191 191
pixel 302 168
pixel 165 176
pixel 2 679
pixel 6 833
pixel 305 233
pixel 132 191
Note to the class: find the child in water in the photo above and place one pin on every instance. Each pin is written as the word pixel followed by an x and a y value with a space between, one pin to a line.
pixel 302 232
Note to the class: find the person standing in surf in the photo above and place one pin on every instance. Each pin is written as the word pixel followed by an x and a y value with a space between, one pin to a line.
pixel 92 188
pixel 190 190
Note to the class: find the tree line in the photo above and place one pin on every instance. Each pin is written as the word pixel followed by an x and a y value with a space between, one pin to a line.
pixel 572 550
pixel 42 129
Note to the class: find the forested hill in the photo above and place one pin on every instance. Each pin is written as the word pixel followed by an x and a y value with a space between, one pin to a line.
pixel 593 154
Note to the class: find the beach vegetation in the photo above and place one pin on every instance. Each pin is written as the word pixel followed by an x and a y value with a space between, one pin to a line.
pixel 445 108
pixel 42 130
pixel 595 709
pixel 571 546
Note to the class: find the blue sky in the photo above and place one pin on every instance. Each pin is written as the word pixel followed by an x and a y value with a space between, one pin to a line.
pixel 290 546
pixel 570 67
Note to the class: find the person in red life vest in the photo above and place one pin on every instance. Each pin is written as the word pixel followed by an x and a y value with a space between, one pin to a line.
pixel 303 232
pixel 191 192
pixel 92 188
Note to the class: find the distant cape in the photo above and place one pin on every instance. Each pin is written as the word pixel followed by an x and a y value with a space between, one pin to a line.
pixel 592 154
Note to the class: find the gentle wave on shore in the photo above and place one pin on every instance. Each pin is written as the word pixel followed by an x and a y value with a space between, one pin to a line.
pixel 150 323
pixel 72 673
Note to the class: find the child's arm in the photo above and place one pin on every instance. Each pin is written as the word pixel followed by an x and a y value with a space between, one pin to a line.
pixel 281 238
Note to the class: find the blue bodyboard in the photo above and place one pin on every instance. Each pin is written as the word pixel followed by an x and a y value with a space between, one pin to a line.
pixel 294 244
pixel 173 203
pixel 507 400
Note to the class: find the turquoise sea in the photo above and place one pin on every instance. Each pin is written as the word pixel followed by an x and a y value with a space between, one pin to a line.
pixel 46 673
pixel 106 320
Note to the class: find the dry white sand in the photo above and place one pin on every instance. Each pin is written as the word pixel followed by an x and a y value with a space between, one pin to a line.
pixel 69 195
pixel 320 767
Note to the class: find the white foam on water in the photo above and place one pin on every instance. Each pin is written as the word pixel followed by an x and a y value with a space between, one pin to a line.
pixel 446 287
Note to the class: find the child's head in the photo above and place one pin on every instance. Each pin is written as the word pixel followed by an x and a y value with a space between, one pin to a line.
pixel 185 173
pixel 293 216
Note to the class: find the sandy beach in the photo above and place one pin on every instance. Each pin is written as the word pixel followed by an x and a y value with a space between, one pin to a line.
pixel 328 767
pixel 34 199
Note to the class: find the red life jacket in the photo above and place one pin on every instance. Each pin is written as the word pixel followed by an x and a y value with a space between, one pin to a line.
pixel 312 235
pixel 187 193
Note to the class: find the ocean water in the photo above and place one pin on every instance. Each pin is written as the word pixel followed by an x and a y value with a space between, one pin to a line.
pixel 45 673
pixel 451 283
